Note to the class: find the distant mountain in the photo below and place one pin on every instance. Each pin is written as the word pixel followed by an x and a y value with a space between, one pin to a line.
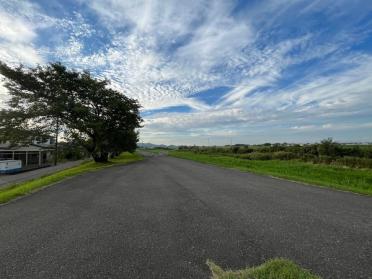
pixel 151 145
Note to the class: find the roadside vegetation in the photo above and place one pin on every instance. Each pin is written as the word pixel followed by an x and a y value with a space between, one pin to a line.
pixel 71 151
pixel 326 152
pixel 17 190
pixel 157 150
pixel 328 175
pixel 272 269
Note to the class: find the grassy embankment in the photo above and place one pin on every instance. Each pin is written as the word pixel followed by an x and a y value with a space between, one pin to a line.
pixel 156 150
pixel 354 180
pixel 14 191
pixel 272 269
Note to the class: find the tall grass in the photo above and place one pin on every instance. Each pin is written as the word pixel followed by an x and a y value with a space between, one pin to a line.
pixel 325 152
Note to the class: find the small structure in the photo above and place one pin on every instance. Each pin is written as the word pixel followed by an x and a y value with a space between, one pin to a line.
pixel 31 156
pixel 10 166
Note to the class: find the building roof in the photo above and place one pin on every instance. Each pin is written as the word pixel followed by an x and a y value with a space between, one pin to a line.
pixel 44 145
pixel 5 145
pixel 29 148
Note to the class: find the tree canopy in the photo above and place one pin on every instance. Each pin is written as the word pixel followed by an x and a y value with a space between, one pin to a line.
pixel 51 99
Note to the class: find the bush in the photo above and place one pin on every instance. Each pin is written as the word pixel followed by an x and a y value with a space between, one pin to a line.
pixel 367 153
pixel 351 151
pixel 257 156
pixel 365 163
pixel 244 156
pixel 310 158
pixel 283 155
pixel 71 151
pixel 244 150
pixel 235 149
pixel 354 162
pixel 296 148
pixel 325 159
pixel 277 147
pixel 310 149
pixel 328 147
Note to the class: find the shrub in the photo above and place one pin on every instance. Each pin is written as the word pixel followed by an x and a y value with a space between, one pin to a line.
pixel 235 149
pixel 367 153
pixel 325 159
pixel 311 149
pixel 296 148
pixel 351 151
pixel 310 158
pixel 258 156
pixel 354 162
pixel 244 156
pixel 365 163
pixel 277 147
pixel 283 155
pixel 244 150
pixel 328 147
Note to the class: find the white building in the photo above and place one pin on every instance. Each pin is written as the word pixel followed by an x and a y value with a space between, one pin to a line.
pixel 32 155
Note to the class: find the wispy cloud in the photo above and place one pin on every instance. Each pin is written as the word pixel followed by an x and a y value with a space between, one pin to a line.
pixel 287 63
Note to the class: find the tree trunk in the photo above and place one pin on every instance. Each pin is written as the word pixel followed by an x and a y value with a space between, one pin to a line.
pixel 56 143
pixel 114 154
pixel 100 157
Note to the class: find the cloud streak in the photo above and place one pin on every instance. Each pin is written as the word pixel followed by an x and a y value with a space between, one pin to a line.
pixel 287 63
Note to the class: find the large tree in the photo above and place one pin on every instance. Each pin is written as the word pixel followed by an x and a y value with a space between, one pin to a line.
pixel 53 100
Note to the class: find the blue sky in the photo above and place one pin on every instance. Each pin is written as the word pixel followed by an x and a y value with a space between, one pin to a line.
pixel 241 71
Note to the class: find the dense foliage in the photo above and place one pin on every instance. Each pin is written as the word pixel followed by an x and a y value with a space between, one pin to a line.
pixel 54 100
pixel 71 151
pixel 327 152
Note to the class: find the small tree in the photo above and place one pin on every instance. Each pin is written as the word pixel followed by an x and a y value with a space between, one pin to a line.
pixel 327 147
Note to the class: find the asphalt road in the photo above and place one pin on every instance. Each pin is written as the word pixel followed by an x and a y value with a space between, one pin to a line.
pixel 8 179
pixel 164 217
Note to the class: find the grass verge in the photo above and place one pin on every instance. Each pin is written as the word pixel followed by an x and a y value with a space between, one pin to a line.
pixel 156 151
pixel 272 269
pixel 17 190
pixel 354 180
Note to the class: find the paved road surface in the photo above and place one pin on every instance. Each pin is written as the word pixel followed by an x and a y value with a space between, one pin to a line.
pixel 163 217
pixel 8 179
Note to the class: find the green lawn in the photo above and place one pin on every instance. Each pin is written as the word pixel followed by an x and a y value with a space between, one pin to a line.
pixel 272 269
pixel 14 191
pixel 354 180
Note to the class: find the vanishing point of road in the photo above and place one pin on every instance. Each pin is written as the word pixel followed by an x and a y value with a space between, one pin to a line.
pixel 164 217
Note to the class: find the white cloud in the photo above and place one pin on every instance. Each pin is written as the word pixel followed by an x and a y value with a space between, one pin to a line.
pixel 164 52
pixel 316 100
pixel 16 36
pixel 3 94
pixel 15 53
pixel 15 29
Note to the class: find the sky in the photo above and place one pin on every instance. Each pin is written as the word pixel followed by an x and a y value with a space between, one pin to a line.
pixel 212 72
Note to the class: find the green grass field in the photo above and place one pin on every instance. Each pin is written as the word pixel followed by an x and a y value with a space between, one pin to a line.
pixel 272 269
pixel 354 180
pixel 14 191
